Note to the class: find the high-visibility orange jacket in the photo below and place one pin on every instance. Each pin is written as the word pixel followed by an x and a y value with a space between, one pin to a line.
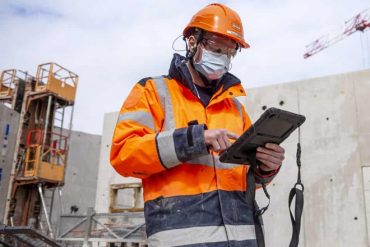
pixel 191 198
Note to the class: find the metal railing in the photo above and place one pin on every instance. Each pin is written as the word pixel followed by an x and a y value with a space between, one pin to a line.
pixel 57 79
pixel 26 235
pixel 7 82
pixel 47 70
pixel 54 153
pixel 107 228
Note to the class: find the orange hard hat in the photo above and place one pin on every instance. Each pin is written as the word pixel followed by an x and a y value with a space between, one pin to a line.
pixel 220 19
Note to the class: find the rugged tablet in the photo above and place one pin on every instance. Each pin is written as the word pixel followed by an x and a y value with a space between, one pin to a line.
pixel 274 126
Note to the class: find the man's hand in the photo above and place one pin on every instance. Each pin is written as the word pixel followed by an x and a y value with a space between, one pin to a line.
pixel 271 156
pixel 218 139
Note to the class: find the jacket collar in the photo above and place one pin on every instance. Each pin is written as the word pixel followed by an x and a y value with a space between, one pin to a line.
pixel 180 72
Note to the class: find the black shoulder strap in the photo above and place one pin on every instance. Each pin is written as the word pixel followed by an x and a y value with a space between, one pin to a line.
pixel 251 194
pixel 298 194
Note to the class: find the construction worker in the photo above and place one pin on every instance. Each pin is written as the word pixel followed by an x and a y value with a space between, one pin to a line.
pixel 171 129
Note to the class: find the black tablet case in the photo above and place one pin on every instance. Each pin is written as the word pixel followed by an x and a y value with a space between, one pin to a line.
pixel 274 126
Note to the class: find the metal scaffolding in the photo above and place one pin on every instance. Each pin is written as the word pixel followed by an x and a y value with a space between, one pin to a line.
pixel 45 103
pixel 121 229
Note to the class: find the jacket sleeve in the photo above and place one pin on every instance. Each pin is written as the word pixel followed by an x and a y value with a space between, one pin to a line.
pixel 260 176
pixel 140 147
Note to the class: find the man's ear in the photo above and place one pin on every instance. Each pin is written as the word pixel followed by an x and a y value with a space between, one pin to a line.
pixel 192 42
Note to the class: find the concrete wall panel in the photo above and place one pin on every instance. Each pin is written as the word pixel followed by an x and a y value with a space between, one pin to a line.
pixel 364 148
pixel 335 145
pixel 7 146
pixel 366 181
pixel 329 105
pixel 272 96
pixel 82 171
pixel 107 175
pixel 361 82
pixel 334 214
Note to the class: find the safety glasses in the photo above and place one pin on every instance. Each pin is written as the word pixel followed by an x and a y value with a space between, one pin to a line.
pixel 220 45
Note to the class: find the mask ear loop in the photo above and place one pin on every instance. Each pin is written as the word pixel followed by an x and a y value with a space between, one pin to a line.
pixel 230 66
pixel 238 49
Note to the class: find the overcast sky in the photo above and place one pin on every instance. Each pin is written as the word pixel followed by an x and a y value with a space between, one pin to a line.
pixel 113 44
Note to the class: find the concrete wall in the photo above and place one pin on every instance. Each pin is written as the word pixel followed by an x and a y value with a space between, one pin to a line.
pixel 335 154
pixel 107 175
pixel 80 185
pixel 335 148
pixel 9 118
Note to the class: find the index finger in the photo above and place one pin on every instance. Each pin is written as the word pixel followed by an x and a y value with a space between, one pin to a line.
pixel 275 147
pixel 232 135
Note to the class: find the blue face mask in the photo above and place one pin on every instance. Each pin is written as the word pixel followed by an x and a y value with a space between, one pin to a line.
pixel 212 65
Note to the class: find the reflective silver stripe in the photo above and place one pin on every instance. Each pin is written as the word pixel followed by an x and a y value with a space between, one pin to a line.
pixel 239 107
pixel 205 234
pixel 166 149
pixel 221 165
pixel 165 98
pixel 208 160
pixel 202 160
pixel 240 232
pixel 142 117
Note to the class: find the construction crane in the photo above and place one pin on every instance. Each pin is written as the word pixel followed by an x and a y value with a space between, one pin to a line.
pixel 359 22
pixel 36 166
